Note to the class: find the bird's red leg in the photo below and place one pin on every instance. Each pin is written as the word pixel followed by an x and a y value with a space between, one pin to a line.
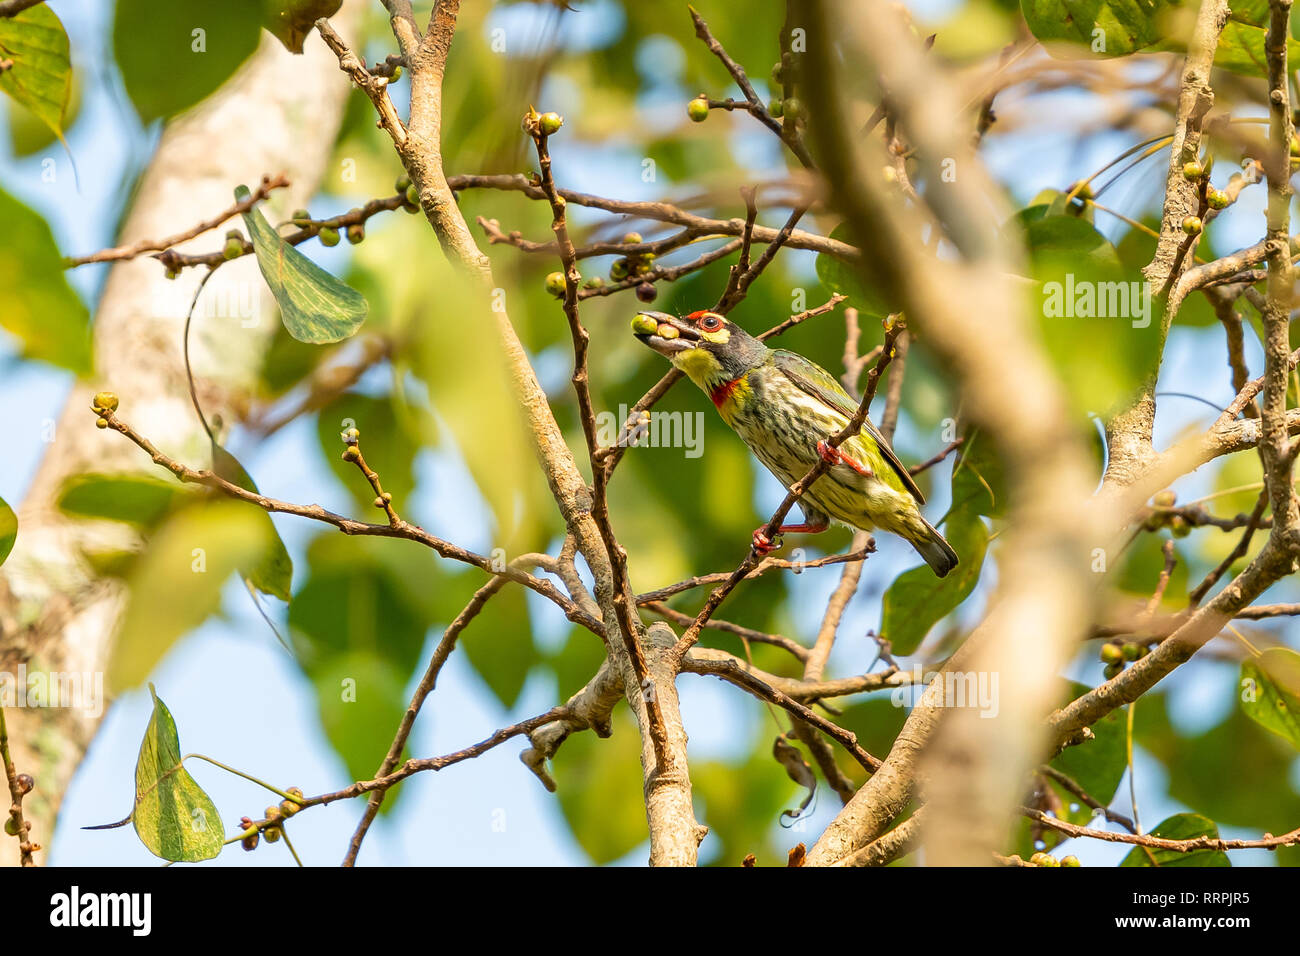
pixel 836 457
pixel 765 545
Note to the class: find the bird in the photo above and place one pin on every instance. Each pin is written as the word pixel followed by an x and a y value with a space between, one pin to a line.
pixel 784 407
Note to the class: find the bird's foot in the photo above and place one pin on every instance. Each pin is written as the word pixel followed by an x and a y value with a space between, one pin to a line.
pixel 837 457
pixel 762 544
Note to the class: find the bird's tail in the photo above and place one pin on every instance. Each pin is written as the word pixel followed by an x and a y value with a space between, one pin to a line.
pixel 934 548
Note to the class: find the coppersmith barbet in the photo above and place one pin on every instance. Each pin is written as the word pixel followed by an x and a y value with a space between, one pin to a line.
pixel 784 407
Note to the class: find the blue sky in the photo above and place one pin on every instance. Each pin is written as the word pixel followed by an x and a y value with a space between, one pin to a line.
pixel 235 693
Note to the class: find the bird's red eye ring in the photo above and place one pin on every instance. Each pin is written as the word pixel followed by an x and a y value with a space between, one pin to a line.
pixel 710 323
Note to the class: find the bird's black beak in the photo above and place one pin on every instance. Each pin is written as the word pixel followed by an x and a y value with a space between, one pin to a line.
pixel 664 333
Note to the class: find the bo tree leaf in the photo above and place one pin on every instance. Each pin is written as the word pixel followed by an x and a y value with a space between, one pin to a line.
pixel 1181 826
pixel 172 55
pixel 271 572
pixel 8 529
pixel 40 308
pixel 41 76
pixel 173 817
pixel 316 307
pixel 1270 693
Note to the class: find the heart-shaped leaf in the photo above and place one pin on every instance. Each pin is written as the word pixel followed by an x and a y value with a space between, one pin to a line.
pixel 41 76
pixel 272 571
pixel 173 817
pixel 316 307
pixel 1273 701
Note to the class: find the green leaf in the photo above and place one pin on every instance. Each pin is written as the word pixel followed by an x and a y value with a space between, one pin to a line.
pixel 176 583
pixel 1097 319
pixel 315 306
pixel 361 698
pixel 40 308
pixel 136 499
pixel 1108 28
pixel 1097 765
pixel 41 76
pixel 978 483
pixel 173 817
pixel 499 645
pixel 291 20
pixel 358 625
pixel 917 600
pixel 599 787
pixel 272 571
pixel 839 276
pixel 8 529
pixel 29 134
pixel 1270 692
pixel 1241 44
pixel 391 437
pixel 172 55
pixel 1181 826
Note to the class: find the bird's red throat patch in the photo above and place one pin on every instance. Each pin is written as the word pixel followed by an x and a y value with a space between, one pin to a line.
pixel 723 394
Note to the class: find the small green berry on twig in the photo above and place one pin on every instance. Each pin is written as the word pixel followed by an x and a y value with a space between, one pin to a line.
pixel 698 109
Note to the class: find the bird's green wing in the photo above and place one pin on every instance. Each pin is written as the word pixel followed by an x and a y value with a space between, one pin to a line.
pixel 811 378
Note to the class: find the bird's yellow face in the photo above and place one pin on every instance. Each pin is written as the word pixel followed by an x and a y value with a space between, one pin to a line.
pixel 697 344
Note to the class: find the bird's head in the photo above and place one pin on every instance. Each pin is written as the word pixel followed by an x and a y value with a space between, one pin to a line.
pixel 704 345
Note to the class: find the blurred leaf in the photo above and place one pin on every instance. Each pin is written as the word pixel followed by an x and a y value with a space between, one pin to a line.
pixel 41 76
pixel 8 529
pixel 458 355
pixel 1275 701
pixel 1096 318
pixel 978 482
pixel 389 446
pixel 843 278
pixel 1141 567
pixel 288 361
pixel 1097 765
pixel 1181 826
pixel 137 499
pixel 917 600
pixel 172 55
pixel 358 625
pixel 361 698
pixel 176 584
pixel 1236 749
pixel 173 817
pixel 291 20
pixel 600 790
pixel 1108 28
pixel 1241 44
pixel 315 306
pixel 40 307
pixel 742 800
pixel 272 570
pixel 499 645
